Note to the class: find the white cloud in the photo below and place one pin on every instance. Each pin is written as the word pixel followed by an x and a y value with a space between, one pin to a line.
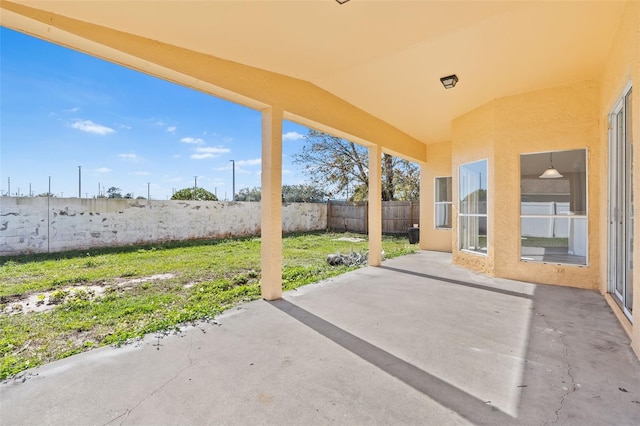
pixel 254 162
pixel 292 136
pixel 209 152
pixel 202 156
pixel 75 109
pixel 91 127
pixel 286 172
pixel 123 126
pixel 129 157
pixel 213 149
pixel 102 170
pixel 196 141
pixel 171 129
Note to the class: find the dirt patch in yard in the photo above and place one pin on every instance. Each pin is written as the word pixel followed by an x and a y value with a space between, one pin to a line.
pixel 46 301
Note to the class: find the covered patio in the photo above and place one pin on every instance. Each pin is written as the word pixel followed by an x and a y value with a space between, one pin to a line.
pixel 415 341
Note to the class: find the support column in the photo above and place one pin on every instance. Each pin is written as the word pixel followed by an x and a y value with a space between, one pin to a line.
pixel 271 205
pixel 426 205
pixel 375 206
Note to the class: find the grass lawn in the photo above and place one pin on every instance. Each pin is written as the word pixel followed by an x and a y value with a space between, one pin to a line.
pixel 101 297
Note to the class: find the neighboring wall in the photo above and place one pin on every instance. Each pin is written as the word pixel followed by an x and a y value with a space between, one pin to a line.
pixel 41 225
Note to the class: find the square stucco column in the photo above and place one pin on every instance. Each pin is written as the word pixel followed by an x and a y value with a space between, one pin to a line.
pixel 426 203
pixel 375 206
pixel 271 205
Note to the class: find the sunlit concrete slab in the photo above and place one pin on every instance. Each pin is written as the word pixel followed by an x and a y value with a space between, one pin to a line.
pixel 415 341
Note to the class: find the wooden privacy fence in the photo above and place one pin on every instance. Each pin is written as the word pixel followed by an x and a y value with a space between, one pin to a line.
pixel 397 216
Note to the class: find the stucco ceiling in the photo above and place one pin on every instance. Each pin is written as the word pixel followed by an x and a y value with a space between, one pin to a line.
pixel 384 57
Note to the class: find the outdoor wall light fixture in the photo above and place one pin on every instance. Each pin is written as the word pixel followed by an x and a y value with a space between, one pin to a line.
pixel 550 173
pixel 449 81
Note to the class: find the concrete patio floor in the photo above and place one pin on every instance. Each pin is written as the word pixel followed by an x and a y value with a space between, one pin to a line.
pixel 416 341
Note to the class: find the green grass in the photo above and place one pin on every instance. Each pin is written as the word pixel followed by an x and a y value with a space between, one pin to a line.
pixel 544 242
pixel 209 277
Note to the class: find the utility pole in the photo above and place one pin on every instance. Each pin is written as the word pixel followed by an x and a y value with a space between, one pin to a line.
pixel 195 182
pixel 9 186
pixel 233 167
pixel 79 181
pixel 148 190
pixel 30 193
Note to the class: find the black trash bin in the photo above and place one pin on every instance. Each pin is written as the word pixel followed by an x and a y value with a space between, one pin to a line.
pixel 414 235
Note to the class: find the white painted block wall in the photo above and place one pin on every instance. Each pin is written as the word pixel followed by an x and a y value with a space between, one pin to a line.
pixel 41 225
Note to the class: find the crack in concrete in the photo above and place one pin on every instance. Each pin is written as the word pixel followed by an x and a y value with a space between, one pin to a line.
pixel 572 388
pixel 128 412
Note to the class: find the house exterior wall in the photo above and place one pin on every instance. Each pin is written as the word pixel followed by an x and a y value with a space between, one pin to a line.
pixel 622 67
pixel 437 165
pixel 473 139
pixel 560 118
pixel 38 225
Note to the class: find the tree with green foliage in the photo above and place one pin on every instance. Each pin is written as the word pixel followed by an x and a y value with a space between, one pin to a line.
pixel 114 192
pixel 300 193
pixel 339 166
pixel 249 194
pixel 194 194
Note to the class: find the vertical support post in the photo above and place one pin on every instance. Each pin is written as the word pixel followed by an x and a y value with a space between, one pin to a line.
pixel 271 204
pixel 375 206
pixel 328 214
pixel 426 205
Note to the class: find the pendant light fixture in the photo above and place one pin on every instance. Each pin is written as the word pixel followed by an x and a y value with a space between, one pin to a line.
pixel 551 172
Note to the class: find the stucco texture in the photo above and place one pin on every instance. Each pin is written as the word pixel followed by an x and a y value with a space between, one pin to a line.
pixel 554 119
pixel 622 68
pixel 437 165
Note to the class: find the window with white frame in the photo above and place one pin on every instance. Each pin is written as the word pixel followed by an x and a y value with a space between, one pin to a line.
pixel 553 207
pixel 443 201
pixel 472 211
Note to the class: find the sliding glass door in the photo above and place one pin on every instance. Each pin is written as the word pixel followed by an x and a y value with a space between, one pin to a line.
pixel 620 213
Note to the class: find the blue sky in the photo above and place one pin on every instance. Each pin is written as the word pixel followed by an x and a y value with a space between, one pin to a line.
pixel 60 109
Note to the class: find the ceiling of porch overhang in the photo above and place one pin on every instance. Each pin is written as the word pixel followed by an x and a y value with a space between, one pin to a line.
pixel 384 57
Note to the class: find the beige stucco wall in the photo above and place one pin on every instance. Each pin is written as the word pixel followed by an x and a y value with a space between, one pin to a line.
pixel 622 67
pixel 437 165
pixel 553 119
pixel 560 118
pixel 473 140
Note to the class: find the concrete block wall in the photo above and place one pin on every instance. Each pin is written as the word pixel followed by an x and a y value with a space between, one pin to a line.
pixel 41 225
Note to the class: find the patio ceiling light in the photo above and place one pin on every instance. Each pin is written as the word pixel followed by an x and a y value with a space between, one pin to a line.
pixel 551 172
pixel 449 81
pixel 342 1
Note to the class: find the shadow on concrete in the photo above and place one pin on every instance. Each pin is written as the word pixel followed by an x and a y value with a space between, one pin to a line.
pixel 438 390
pixel 458 282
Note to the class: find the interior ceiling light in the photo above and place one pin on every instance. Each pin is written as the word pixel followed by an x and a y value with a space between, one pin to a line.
pixel 550 173
pixel 342 1
pixel 449 81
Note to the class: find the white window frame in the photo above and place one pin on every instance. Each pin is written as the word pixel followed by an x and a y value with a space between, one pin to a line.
pixel 461 215
pixel 569 218
pixel 437 204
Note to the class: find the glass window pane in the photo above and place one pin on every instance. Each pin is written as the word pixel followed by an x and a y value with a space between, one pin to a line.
pixel 443 189
pixel 473 188
pixel 473 207
pixel 443 216
pixel 567 194
pixel 554 240
pixel 473 233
